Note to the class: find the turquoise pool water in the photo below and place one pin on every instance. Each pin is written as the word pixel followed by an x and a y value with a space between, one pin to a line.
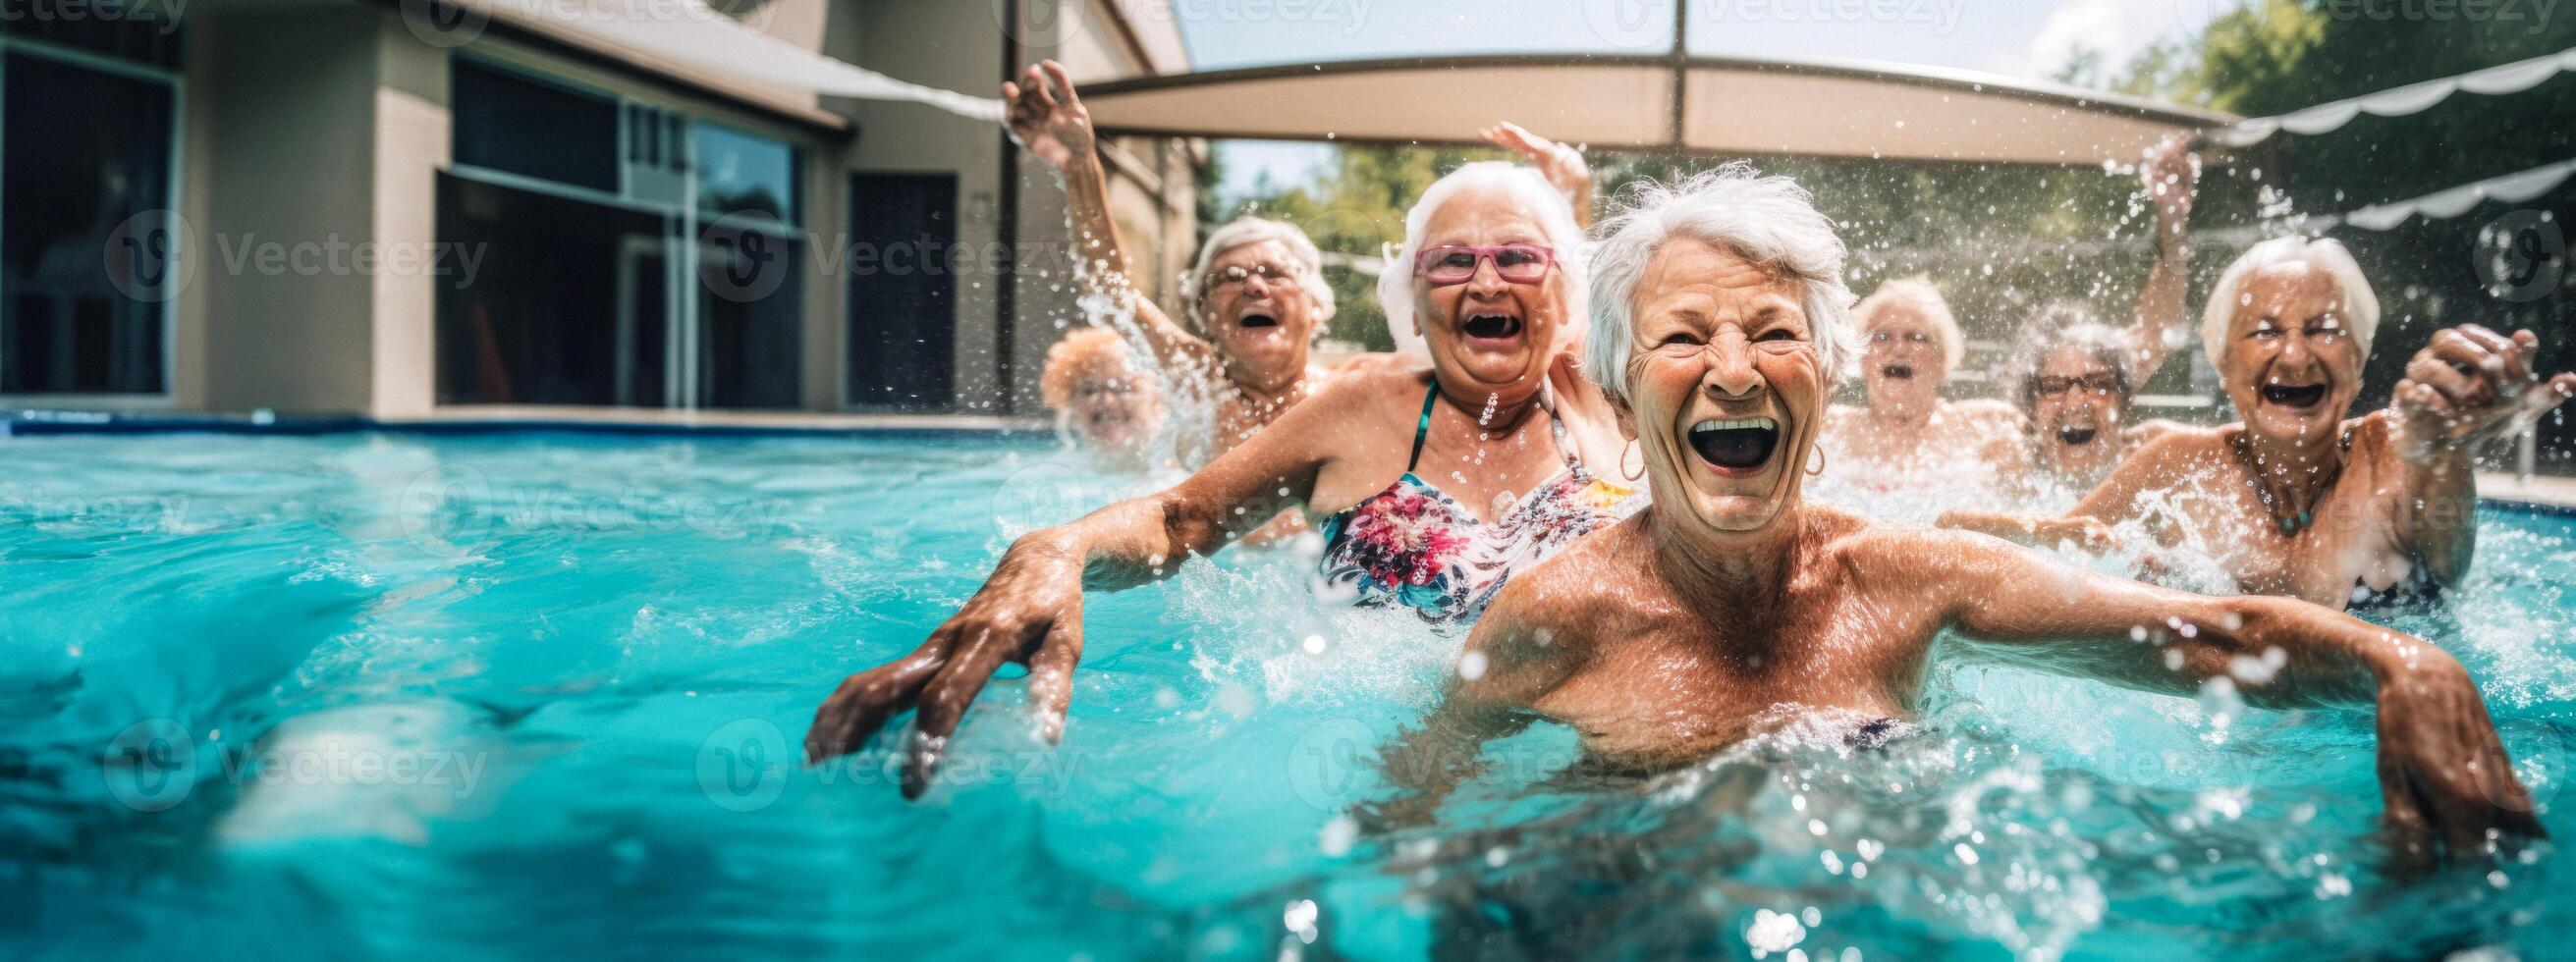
pixel 534 696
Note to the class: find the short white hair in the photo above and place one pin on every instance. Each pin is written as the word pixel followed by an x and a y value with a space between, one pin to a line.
pixel 1927 300
pixel 1769 220
pixel 2360 307
pixel 1245 231
pixel 1397 284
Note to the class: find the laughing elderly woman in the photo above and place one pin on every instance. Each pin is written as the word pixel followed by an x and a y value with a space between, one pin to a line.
pixel 1431 486
pixel 1717 316
pixel 2295 499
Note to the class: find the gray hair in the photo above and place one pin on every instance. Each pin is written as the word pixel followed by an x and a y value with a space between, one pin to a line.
pixel 2360 304
pixel 1397 284
pixel 1926 298
pixel 1243 231
pixel 2064 326
pixel 1770 220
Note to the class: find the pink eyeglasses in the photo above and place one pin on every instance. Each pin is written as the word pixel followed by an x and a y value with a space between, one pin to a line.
pixel 1517 263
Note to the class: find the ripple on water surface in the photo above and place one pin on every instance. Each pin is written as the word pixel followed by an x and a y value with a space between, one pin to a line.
pixel 541 695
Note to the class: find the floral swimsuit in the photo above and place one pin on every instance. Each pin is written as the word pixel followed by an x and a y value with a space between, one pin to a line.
pixel 1413 545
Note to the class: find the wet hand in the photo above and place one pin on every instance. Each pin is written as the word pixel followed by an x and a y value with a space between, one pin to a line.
pixel 1562 165
pixel 2085 534
pixel 2171 176
pixel 2443 772
pixel 2471 385
pixel 1046 116
pixel 1029 612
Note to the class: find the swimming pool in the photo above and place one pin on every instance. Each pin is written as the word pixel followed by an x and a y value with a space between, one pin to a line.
pixel 536 695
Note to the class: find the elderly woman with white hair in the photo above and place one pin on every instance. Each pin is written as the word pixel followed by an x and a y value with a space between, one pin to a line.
pixel 1907 437
pixel 2295 499
pixel 1431 485
pixel 1731 604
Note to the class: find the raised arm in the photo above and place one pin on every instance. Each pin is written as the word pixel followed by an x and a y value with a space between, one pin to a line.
pixel 1048 119
pixel 2443 771
pixel 1561 164
pixel 2171 180
pixel 1030 610
pixel 2468 386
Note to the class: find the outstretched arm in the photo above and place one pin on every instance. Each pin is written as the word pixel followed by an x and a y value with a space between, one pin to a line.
pixel 2171 179
pixel 2443 771
pixel 2468 386
pixel 1049 119
pixel 1030 610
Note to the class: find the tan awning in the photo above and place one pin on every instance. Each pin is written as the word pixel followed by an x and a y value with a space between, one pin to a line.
pixel 1727 107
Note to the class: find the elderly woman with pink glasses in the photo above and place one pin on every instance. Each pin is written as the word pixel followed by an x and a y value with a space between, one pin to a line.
pixel 1431 485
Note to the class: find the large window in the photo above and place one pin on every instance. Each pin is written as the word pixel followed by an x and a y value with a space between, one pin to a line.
pixel 603 282
pixel 520 125
pixel 89 250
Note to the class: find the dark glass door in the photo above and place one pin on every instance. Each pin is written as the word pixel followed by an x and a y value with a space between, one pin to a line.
pixel 903 295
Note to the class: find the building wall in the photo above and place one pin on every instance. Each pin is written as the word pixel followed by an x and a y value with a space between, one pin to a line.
pixel 327 122
pixel 274 96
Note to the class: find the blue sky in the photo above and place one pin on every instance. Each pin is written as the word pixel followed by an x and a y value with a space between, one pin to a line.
pixel 2027 39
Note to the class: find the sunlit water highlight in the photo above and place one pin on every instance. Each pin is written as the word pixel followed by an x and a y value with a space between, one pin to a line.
pixel 537 696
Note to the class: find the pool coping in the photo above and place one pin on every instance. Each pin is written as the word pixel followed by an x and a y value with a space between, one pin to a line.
pixel 467 422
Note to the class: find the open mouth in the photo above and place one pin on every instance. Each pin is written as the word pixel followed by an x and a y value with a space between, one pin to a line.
pixel 2294 395
pixel 2077 435
pixel 1491 326
pixel 1256 321
pixel 1740 445
pixel 1900 372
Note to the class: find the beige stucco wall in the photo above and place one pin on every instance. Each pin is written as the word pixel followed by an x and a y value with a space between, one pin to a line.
pixel 273 97
pixel 326 122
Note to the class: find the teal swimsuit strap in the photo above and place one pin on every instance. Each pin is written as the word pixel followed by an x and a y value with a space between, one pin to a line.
pixel 1422 428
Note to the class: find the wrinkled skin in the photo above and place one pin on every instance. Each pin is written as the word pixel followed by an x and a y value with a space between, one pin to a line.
pixel 2081 433
pixel 2394 504
pixel 1488 444
pixel 1665 638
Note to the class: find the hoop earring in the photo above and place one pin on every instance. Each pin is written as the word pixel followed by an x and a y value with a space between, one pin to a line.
pixel 1816 464
pixel 1624 473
